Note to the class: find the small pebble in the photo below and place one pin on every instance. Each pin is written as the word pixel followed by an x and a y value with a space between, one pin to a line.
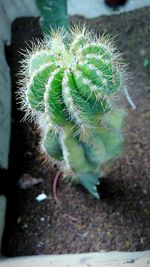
pixel 27 181
pixel 85 234
pixel 141 240
pixel 19 220
pixel 42 219
pixel 25 226
pixel 141 202
pixel 142 52
pixel 40 244
pixel 145 191
pixel 41 197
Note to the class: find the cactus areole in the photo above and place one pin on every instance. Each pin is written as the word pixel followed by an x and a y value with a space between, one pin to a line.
pixel 71 84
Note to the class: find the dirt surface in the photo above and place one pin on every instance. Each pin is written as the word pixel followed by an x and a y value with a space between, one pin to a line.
pixel 120 220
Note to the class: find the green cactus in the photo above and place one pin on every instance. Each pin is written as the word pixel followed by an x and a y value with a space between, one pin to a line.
pixel 73 81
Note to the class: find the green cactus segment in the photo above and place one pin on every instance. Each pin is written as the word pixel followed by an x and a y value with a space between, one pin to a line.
pixel 114 119
pixel 90 181
pixel 36 87
pixel 52 145
pixel 112 142
pixel 78 43
pixel 97 50
pixel 99 66
pixel 78 108
pixel 110 78
pixel 84 86
pixel 95 76
pixel 53 14
pixel 106 146
pixel 91 93
pixel 102 65
pixel 95 152
pixel 106 81
pixel 39 59
pixel 53 98
pixel 74 153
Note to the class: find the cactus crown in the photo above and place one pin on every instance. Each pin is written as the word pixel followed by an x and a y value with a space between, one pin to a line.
pixel 71 80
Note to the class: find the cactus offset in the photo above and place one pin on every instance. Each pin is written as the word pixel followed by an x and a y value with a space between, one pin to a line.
pixel 72 81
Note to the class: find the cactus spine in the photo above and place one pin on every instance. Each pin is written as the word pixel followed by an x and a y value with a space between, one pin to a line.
pixel 72 80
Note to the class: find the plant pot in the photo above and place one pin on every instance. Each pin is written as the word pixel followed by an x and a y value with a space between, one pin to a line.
pixel 81 224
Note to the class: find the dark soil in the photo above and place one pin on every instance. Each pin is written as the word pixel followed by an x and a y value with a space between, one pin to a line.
pixel 120 220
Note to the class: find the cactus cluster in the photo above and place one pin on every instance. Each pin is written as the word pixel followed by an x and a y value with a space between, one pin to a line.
pixel 72 82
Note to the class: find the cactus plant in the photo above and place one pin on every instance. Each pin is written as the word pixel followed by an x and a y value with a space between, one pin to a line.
pixel 72 82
